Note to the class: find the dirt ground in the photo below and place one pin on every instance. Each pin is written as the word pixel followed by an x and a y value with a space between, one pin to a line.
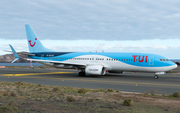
pixel 21 97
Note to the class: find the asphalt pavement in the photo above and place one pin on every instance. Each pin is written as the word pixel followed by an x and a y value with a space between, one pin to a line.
pixel 128 81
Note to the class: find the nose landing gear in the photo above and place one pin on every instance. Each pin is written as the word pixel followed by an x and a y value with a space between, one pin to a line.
pixel 156 77
pixel 158 73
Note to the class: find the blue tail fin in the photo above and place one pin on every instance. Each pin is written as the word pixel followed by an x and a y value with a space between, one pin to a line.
pixel 34 43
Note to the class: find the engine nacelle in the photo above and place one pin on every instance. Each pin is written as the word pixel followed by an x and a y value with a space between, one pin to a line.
pixel 95 70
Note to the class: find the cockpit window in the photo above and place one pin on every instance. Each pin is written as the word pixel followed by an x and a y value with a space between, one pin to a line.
pixel 164 60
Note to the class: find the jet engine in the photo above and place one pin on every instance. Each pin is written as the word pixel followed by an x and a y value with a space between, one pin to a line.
pixel 95 70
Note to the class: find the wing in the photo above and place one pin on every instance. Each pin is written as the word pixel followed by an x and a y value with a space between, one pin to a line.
pixel 82 65
pixel 23 53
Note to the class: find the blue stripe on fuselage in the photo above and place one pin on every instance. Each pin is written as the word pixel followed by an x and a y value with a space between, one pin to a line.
pixel 155 63
pixel 47 54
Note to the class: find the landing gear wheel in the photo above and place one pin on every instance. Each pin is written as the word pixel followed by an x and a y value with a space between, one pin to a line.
pixel 81 74
pixel 156 77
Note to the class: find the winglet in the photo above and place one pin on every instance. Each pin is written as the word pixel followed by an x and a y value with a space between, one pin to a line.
pixel 14 53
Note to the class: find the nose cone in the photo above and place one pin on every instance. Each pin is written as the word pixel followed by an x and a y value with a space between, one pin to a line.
pixel 173 65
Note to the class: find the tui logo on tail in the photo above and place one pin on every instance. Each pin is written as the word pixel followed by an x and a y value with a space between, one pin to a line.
pixel 33 44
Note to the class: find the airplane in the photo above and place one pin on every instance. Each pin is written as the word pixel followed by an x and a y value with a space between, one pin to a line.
pixel 94 63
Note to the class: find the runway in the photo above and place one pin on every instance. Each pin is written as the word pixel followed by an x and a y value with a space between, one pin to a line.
pixel 129 82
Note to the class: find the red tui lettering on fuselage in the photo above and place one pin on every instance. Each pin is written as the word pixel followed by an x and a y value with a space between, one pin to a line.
pixel 140 59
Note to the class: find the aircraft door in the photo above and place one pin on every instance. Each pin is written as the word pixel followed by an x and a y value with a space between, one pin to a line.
pixel 94 59
pixel 151 61
pixel 42 56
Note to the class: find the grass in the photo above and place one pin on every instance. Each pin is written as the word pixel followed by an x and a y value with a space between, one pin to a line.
pixel 82 90
pixel 110 90
pixel 70 99
pixel 26 97
pixel 127 102
pixel 174 95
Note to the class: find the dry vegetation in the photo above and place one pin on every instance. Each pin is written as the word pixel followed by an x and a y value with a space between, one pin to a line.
pixel 31 98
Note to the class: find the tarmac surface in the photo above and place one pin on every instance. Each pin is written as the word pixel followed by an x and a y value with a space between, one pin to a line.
pixel 128 82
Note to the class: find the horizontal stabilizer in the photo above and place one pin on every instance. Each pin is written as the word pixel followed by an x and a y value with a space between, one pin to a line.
pixel 7 51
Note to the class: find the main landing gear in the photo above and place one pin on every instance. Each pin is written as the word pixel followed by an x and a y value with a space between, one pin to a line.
pixel 156 77
pixel 82 74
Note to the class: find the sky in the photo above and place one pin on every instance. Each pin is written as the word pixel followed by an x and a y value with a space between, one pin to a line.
pixel 144 26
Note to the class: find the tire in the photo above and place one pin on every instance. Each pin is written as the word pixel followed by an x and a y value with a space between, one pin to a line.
pixel 81 74
pixel 156 77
